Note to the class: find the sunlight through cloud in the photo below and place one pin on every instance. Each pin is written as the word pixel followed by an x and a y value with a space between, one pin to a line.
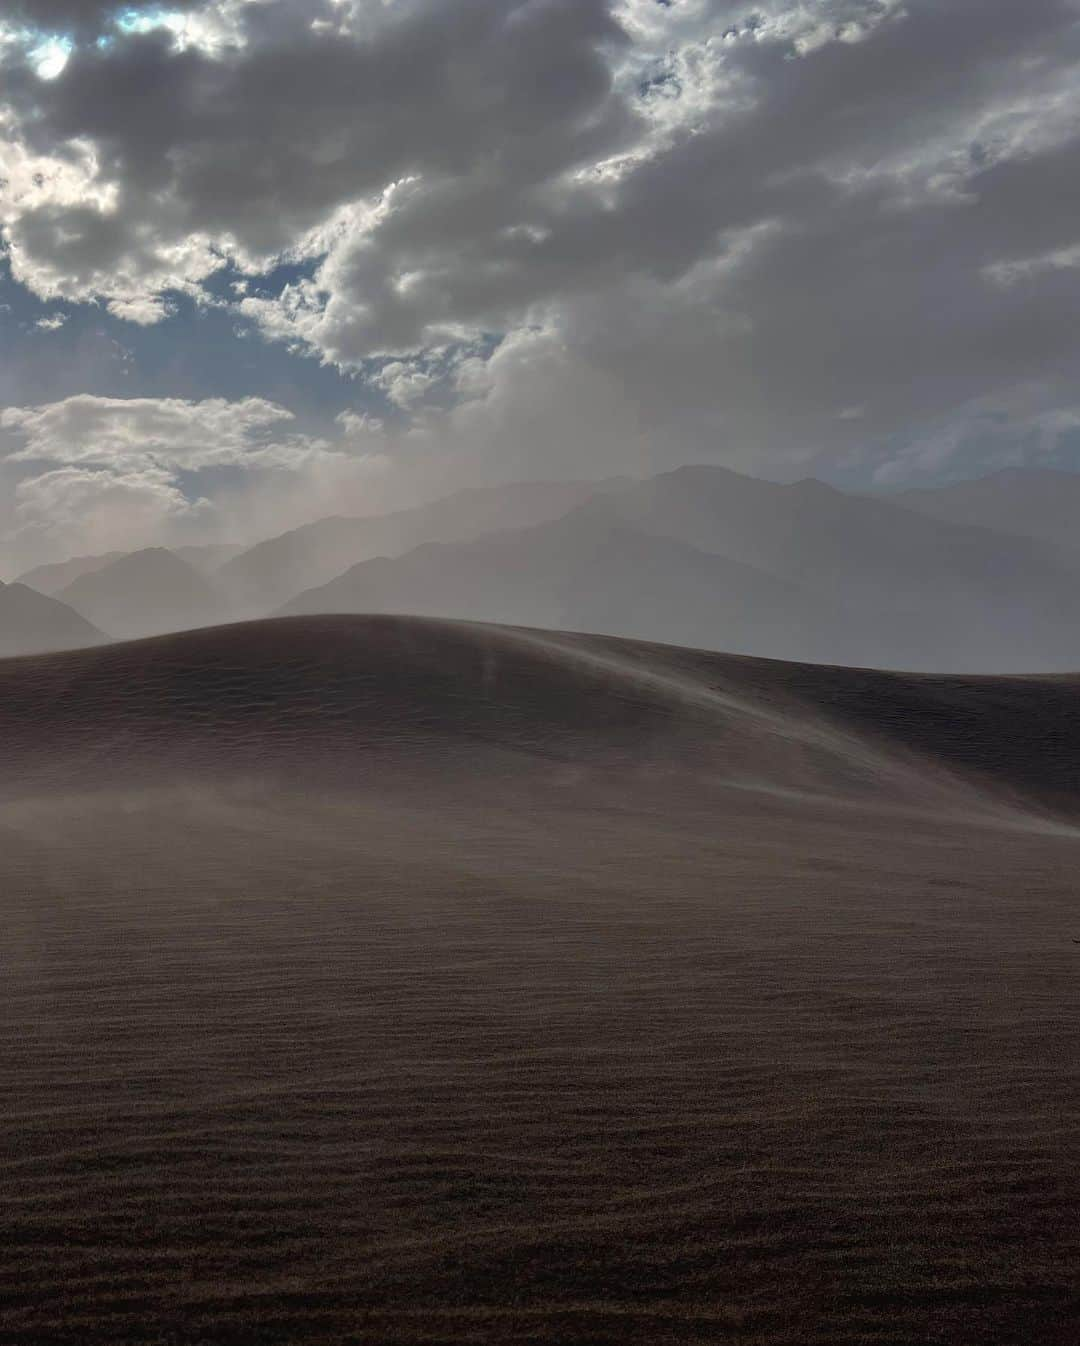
pixel 50 58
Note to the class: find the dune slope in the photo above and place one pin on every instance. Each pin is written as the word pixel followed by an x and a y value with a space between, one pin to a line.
pixel 328 697
pixel 400 981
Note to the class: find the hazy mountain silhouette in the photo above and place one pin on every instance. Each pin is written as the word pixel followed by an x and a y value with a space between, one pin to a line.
pixel 700 556
pixel 51 579
pixel 34 623
pixel 272 572
pixel 209 557
pixel 1028 502
pixel 914 592
pixel 571 574
pixel 799 571
pixel 145 593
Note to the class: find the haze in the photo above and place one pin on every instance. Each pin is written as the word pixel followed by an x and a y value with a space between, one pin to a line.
pixel 539 672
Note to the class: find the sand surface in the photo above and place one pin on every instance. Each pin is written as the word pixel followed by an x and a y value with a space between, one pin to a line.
pixel 397 981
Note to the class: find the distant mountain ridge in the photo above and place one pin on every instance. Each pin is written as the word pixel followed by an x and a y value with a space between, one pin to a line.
pixel 51 578
pixel 272 572
pixel 700 556
pixel 34 623
pixel 570 575
pixel 868 582
pixel 1039 503
pixel 147 593
pixel 209 557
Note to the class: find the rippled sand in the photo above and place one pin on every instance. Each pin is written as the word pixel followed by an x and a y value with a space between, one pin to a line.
pixel 389 981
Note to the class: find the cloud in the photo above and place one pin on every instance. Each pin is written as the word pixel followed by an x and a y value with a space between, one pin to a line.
pixel 166 433
pixel 994 433
pixel 64 15
pixel 90 473
pixel 561 234
pixel 91 509
pixel 319 107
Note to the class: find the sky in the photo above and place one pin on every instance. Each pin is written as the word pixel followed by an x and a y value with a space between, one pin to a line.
pixel 267 260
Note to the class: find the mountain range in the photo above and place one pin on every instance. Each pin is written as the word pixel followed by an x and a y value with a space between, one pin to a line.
pixel 51 579
pixel 31 622
pixel 709 557
pixel 977 577
pixel 146 593
pixel 274 571
pixel 1038 503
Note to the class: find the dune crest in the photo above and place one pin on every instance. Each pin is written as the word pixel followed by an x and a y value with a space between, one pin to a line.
pixel 347 698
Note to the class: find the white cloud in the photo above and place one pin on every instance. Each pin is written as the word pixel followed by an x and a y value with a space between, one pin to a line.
pixel 405 383
pixel 88 510
pixel 144 310
pixel 91 473
pixel 166 433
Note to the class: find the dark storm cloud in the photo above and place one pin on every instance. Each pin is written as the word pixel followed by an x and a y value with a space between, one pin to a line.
pixel 77 16
pixel 261 141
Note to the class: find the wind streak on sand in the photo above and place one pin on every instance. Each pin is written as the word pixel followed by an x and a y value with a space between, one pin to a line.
pixel 399 981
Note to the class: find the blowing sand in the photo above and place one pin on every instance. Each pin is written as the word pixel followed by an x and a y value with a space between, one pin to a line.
pixel 395 981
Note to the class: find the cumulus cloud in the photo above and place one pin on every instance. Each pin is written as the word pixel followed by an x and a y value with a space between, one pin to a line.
pixel 165 433
pixel 579 235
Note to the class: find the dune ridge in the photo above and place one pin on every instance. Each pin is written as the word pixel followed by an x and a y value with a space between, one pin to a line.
pixel 321 695
pixel 400 981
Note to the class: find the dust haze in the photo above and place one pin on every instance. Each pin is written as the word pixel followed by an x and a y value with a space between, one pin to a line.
pixel 465 982
pixel 980 578
pixel 539 673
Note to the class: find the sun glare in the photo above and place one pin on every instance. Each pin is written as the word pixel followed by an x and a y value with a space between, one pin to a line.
pixel 51 57
pixel 146 20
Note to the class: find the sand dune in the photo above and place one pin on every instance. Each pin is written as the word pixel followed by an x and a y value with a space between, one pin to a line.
pixel 400 981
pixel 326 696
